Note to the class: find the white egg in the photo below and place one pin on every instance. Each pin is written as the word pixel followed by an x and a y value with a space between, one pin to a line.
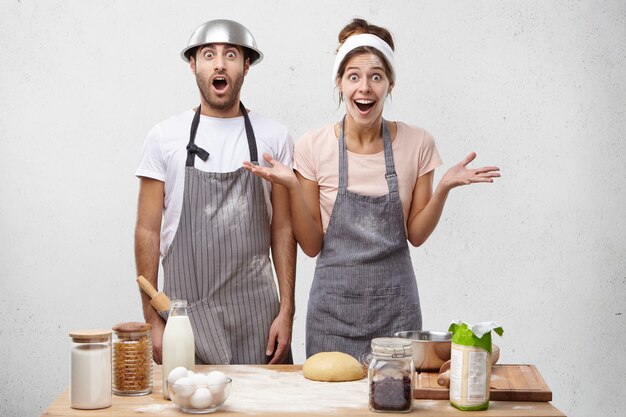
pixel 184 387
pixel 200 380
pixel 218 396
pixel 201 398
pixel 216 377
pixel 190 372
pixel 216 381
pixel 183 402
pixel 176 374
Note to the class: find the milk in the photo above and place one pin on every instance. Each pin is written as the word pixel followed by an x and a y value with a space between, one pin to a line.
pixel 178 342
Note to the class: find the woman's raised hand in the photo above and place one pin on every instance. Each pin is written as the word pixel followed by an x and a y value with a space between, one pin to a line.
pixel 276 173
pixel 460 174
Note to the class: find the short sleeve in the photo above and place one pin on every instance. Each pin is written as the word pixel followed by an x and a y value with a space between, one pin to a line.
pixel 151 162
pixel 429 158
pixel 302 158
pixel 285 152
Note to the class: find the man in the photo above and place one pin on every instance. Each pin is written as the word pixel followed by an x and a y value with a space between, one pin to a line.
pixel 212 222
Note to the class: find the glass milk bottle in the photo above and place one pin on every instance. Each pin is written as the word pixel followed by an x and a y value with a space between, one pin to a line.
pixel 90 369
pixel 178 348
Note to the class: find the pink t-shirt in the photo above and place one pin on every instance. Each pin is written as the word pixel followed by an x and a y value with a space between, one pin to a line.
pixel 316 158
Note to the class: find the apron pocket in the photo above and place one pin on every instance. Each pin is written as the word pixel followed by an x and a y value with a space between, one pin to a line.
pixel 212 343
pixel 364 313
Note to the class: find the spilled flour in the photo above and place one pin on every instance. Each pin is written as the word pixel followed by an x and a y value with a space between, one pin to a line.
pixel 258 390
pixel 155 408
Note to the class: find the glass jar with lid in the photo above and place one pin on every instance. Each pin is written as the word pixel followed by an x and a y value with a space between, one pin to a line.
pixel 132 359
pixel 90 369
pixel 390 375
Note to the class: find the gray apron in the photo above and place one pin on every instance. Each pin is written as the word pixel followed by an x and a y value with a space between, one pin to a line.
pixel 219 260
pixel 364 285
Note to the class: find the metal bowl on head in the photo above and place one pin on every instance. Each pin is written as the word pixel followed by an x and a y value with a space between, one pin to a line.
pixel 223 31
pixel 430 349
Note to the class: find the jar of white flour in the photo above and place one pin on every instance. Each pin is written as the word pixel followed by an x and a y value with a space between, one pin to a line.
pixel 90 369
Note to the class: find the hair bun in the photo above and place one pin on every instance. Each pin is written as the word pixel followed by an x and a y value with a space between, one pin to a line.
pixel 360 26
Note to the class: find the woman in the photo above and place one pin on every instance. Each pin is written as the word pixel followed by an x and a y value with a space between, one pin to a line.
pixel 360 189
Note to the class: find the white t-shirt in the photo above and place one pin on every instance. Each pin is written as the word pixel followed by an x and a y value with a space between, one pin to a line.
pixel 164 155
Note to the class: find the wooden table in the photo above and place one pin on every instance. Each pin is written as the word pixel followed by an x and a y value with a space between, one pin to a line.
pixel 281 390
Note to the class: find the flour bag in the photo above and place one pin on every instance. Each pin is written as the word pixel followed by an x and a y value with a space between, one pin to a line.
pixel 470 364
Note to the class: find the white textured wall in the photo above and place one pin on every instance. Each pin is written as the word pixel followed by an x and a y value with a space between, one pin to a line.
pixel 536 87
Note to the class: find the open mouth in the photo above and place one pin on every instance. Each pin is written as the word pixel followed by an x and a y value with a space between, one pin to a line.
pixel 220 83
pixel 364 105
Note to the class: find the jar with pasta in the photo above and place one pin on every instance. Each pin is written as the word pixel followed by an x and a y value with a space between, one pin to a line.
pixel 132 359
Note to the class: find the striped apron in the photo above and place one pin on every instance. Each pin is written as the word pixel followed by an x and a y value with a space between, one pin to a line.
pixel 364 285
pixel 219 260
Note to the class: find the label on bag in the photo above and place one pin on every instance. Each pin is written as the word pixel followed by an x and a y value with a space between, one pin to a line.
pixel 469 375
pixel 470 364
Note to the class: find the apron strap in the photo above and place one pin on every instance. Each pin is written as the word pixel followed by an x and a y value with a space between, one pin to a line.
pixel 254 156
pixel 343 159
pixel 193 149
pixel 390 168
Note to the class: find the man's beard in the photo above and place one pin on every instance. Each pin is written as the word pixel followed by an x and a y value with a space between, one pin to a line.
pixel 222 103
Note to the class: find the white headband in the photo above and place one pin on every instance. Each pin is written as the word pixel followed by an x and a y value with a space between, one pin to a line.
pixel 365 39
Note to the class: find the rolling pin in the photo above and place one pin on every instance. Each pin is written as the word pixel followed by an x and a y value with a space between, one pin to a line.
pixel 158 300
pixel 444 372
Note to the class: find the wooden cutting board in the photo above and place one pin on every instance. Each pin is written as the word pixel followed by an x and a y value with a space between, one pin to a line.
pixel 508 383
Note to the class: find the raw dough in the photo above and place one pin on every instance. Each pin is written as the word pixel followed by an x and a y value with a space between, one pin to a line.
pixel 332 367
